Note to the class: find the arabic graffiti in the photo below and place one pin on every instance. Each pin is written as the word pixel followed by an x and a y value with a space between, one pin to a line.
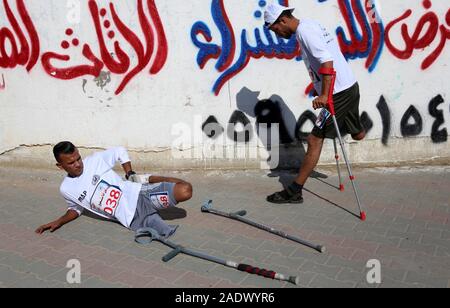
pixel 22 52
pixel 420 39
pixel 154 47
pixel 268 112
pixel 366 40
pixel 369 44
pixel 225 53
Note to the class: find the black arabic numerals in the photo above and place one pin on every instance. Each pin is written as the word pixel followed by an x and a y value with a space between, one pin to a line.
pixel 366 122
pixel 437 135
pixel 385 113
pixel 268 112
pixel 239 136
pixel 305 117
pixel 212 128
pixel 411 129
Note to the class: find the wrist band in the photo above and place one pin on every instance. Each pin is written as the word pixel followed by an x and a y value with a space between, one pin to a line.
pixel 130 173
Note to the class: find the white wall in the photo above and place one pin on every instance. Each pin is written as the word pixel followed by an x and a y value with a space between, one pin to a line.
pixel 37 109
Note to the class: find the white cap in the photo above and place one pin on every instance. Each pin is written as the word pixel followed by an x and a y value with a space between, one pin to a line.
pixel 273 12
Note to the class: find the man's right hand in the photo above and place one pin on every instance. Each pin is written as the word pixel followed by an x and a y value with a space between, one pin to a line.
pixel 53 226
pixel 320 102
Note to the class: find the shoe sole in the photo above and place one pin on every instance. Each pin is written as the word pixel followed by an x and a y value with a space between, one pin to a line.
pixel 286 202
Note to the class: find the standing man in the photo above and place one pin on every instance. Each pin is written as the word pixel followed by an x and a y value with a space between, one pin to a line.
pixel 321 54
pixel 91 184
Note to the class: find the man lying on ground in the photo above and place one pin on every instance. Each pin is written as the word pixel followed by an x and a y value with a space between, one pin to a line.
pixel 91 184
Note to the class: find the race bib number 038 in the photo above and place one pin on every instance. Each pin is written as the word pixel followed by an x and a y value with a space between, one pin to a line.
pixel 106 198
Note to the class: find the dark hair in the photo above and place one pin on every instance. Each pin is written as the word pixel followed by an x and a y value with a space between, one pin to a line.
pixel 287 14
pixel 64 147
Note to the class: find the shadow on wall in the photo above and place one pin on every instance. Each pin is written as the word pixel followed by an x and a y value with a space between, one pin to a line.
pixel 270 112
pixel 291 140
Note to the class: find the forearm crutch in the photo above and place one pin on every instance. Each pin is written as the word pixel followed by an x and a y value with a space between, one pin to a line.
pixel 147 235
pixel 207 208
pixel 336 156
pixel 331 72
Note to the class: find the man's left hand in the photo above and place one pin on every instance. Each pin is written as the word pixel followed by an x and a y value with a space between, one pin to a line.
pixel 320 102
pixel 132 177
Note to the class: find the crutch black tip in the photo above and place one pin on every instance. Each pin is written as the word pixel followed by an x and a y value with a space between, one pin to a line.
pixel 322 249
pixel 294 280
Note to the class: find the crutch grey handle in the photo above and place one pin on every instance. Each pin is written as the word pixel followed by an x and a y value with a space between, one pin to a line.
pixel 207 206
pixel 146 236
pixel 172 254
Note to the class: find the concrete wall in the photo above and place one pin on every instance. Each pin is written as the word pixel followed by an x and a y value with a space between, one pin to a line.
pixel 152 74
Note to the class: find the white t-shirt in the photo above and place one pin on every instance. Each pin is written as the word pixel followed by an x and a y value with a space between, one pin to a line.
pixel 318 47
pixel 102 191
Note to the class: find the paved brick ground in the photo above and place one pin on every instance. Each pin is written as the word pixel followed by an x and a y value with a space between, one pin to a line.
pixel 408 231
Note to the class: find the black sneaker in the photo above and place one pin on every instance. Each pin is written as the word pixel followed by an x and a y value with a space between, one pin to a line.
pixel 286 196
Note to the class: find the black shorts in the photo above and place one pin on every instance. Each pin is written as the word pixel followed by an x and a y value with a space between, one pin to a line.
pixel 346 104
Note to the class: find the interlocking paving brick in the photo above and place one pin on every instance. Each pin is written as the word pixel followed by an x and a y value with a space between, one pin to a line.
pixel 31 281
pixel 8 277
pixel 322 281
pixel 97 283
pixel 407 231
pixel 192 279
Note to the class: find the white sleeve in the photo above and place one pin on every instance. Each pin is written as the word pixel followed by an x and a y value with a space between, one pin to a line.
pixel 74 207
pixel 315 44
pixel 114 155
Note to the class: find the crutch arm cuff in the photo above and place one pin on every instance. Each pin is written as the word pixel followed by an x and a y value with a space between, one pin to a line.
pixel 327 71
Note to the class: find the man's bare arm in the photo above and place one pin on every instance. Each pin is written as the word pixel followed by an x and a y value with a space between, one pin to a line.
pixel 127 167
pixel 55 225
pixel 326 81
pixel 160 179
pixel 322 100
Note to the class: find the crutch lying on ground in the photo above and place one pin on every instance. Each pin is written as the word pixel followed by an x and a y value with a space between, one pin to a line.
pixel 207 208
pixel 331 72
pixel 147 235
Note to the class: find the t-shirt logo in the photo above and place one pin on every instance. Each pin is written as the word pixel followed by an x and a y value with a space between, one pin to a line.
pixel 95 180
pixel 83 196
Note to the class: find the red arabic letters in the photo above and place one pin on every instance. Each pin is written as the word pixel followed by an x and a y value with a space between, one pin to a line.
pixel 22 52
pixel 426 31
pixel 75 71
pixel 120 63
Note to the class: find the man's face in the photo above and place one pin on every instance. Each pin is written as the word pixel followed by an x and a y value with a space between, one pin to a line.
pixel 280 27
pixel 71 163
